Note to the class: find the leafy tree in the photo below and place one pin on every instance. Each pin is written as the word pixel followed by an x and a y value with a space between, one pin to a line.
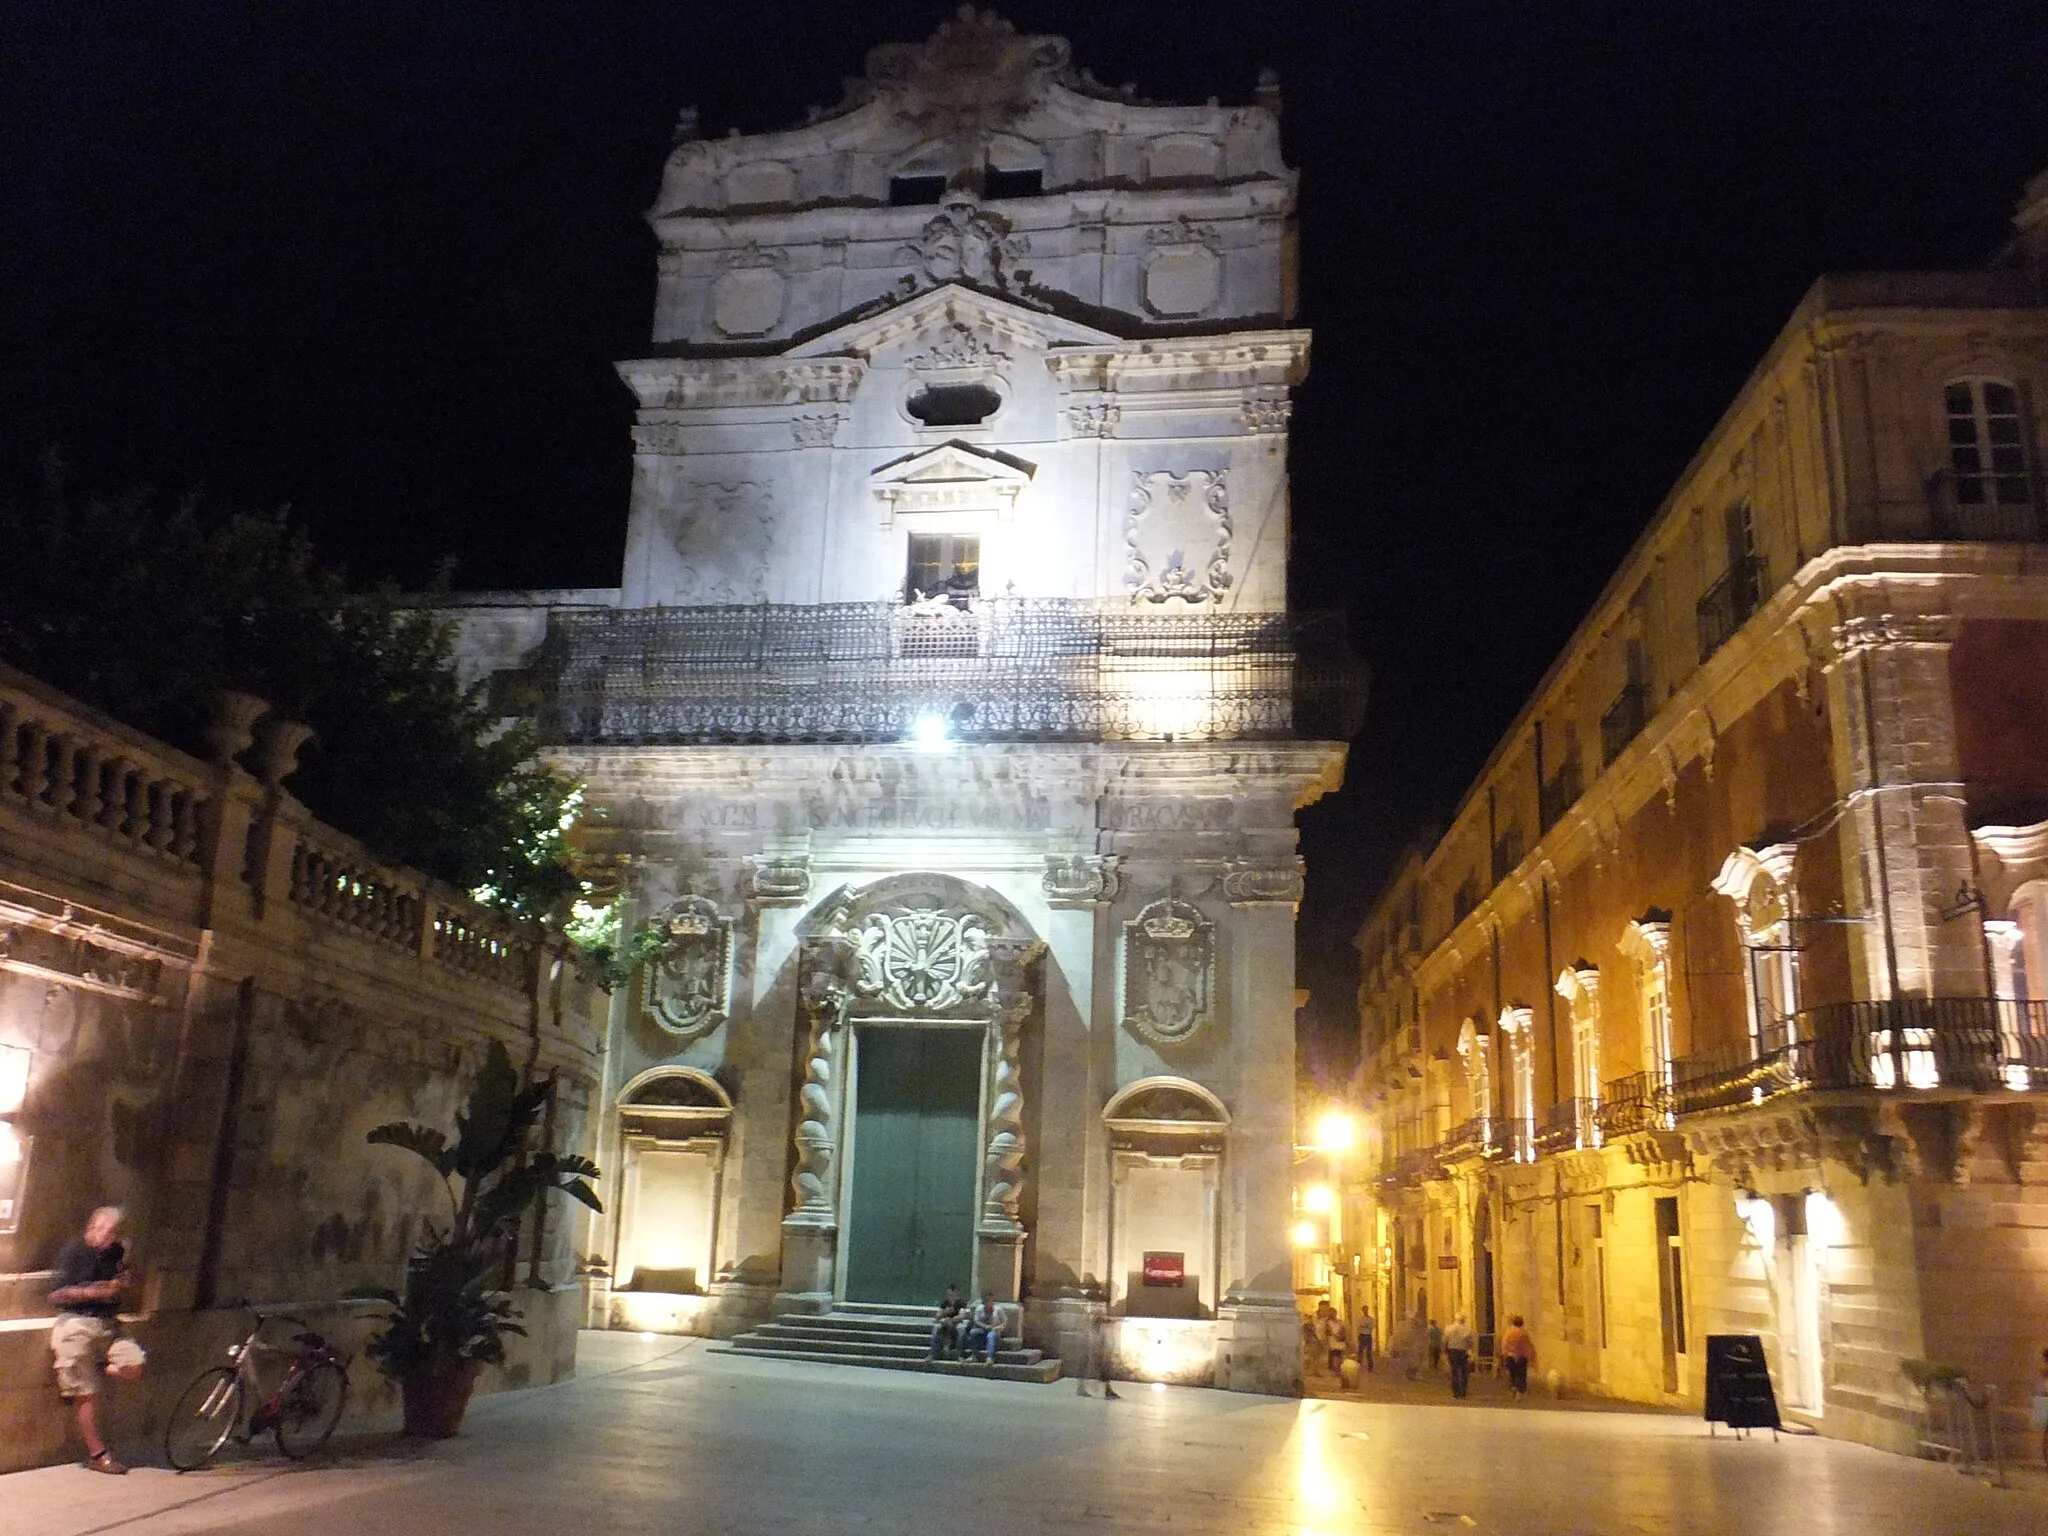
pixel 148 609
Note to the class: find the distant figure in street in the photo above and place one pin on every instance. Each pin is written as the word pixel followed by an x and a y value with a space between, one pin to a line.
pixel 1458 1349
pixel 946 1326
pixel 1436 1345
pixel 1517 1353
pixel 86 1291
pixel 1336 1341
pixel 1366 1342
pixel 1408 1347
pixel 2039 1414
pixel 985 1327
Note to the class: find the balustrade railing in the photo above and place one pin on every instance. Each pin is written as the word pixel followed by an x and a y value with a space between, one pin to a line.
pixel 57 764
pixel 1006 669
pixel 1726 605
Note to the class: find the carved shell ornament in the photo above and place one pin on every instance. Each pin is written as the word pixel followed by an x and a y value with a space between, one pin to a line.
pixel 922 961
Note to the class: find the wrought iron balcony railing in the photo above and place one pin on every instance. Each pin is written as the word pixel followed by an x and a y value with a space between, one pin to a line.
pixel 1007 669
pixel 1624 720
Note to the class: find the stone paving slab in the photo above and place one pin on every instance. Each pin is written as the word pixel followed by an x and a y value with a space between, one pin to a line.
pixel 660 1436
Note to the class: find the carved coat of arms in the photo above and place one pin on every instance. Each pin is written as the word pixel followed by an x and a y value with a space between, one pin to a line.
pixel 687 986
pixel 1169 972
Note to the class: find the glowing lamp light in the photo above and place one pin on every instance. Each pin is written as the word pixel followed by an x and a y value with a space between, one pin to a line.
pixel 929 732
pixel 1305 1234
pixel 1318 1198
pixel 1760 1216
pixel 14 1061
pixel 1336 1132
pixel 1824 1223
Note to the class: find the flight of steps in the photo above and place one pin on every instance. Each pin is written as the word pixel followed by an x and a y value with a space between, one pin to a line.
pixel 888 1338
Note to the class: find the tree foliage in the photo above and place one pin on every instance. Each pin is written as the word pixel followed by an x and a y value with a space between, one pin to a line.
pixel 148 609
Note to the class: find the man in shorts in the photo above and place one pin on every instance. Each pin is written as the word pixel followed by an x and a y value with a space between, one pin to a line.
pixel 86 1291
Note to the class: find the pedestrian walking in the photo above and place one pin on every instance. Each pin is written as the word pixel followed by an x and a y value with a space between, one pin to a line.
pixel 1367 1343
pixel 1099 1361
pixel 2040 1409
pixel 1517 1353
pixel 1436 1345
pixel 1458 1350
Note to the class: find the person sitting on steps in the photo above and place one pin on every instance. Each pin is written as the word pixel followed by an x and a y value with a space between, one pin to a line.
pixel 946 1326
pixel 985 1327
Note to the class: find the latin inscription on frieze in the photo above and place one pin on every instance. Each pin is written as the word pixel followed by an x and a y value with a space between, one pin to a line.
pixel 1167 815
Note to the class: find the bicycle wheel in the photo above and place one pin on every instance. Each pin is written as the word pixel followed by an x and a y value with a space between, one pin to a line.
pixel 309 1406
pixel 206 1414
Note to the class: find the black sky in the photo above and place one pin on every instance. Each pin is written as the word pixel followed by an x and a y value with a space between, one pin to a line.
pixel 375 260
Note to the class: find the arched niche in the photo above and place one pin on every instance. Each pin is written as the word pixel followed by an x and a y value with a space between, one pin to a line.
pixel 1168 1137
pixel 674 1123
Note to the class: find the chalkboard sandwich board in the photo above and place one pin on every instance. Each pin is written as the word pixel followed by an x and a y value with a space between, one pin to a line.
pixel 1739 1383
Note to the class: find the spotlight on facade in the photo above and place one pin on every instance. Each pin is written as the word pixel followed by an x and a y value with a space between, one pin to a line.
pixel 1319 1198
pixel 931 732
pixel 1824 1223
pixel 1305 1235
pixel 14 1060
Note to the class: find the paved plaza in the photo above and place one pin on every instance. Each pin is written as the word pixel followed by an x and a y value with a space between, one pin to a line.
pixel 660 1436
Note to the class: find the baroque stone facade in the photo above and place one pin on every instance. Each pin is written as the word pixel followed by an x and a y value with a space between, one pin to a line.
pixel 1719 1009
pixel 949 701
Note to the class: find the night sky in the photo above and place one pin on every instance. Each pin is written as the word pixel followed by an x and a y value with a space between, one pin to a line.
pixel 375 261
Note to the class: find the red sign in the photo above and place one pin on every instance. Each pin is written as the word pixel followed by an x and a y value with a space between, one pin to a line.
pixel 1166 1268
pixel 1447 1261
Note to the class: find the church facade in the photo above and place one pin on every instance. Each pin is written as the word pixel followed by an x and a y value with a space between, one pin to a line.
pixel 943 737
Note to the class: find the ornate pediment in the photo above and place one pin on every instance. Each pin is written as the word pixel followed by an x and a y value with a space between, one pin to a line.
pixel 922 960
pixel 951 479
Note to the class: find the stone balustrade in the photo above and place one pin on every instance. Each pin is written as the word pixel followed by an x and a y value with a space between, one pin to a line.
pixel 218 844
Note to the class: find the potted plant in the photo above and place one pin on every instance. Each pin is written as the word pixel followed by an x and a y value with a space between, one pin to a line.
pixel 453 1315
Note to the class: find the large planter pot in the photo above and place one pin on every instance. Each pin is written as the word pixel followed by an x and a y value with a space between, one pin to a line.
pixel 436 1400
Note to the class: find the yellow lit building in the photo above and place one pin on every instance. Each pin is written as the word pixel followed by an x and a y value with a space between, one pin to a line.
pixel 1718 1009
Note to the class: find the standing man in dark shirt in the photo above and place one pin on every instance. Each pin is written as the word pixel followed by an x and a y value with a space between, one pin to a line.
pixel 86 1291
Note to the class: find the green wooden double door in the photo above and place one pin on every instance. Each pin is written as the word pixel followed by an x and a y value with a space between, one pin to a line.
pixel 916 1151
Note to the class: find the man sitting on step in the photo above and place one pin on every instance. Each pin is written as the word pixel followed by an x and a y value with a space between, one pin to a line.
pixel 985 1327
pixel 946 1327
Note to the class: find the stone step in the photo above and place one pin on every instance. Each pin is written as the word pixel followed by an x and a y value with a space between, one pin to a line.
pixel 1038 1371
pixel 851 1329
pixel 764 1338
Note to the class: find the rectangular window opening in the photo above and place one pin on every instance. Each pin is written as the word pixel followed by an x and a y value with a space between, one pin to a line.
pixel 943 565
pixel 916 189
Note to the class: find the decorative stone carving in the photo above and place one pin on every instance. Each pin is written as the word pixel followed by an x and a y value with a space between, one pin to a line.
pixel 965 244
pixel 1178 535
pixel 1183 273
pixel 725 538
pixel 817 429
pixel 1854 636
pixel 974 72
pixel 1169 972
pixel 688 988
pixel 1254 885
pixel 774 880
pixel 1266 410
pixel 922 960
pixel 958 345
pixel 826 997
pixel 1080 879
pixel 747 298
pixel 1094 418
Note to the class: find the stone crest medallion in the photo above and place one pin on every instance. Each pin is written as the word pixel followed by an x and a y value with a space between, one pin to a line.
pixel 688 986
pixel 1169 972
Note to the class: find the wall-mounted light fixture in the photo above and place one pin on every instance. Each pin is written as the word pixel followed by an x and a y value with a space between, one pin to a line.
pixel 14 1064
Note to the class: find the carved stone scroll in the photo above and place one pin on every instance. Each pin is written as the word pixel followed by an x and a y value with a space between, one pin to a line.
pixel 1177 536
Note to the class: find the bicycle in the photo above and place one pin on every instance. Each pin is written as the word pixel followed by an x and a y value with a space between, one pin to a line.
pixel 301 1413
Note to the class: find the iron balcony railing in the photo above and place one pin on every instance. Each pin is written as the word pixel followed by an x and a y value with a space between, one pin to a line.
pixel 1006 669
pixel 1624 720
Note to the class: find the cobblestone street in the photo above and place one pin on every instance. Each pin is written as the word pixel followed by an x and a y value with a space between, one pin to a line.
pixel 659 1436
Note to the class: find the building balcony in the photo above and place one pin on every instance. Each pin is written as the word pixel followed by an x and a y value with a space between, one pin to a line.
pixel 1003 669
pixel 1983 510
pixel 1967 1044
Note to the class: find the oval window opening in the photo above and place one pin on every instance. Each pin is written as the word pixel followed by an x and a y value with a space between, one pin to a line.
pixel 954 405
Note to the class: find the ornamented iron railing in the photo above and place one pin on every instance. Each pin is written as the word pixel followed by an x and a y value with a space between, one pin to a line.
pixel 1008 669
pixel 1728 603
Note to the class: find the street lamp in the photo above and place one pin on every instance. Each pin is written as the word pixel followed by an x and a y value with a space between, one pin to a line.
pixel 1336 1134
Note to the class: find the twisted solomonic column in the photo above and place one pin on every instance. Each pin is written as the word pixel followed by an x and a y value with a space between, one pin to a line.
pixel 826 997
pixel 1004 1159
